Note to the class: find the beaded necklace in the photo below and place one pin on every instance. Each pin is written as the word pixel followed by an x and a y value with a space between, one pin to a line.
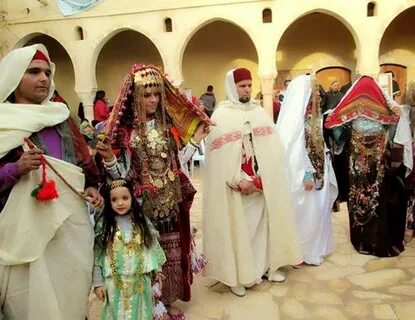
pixel 366 174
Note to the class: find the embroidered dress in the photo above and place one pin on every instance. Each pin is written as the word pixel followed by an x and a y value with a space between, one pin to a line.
pixel 376 168
pixel 126 268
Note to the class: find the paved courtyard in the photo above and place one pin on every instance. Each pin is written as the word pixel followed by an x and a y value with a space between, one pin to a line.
pixel 347 285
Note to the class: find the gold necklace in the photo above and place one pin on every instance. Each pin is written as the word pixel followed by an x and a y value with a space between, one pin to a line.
pixel 135 245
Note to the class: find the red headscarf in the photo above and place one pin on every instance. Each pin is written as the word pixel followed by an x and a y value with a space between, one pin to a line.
pixel 39 55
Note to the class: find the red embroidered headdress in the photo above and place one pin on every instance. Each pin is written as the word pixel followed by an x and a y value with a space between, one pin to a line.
pixel 184 115
pixel 364 99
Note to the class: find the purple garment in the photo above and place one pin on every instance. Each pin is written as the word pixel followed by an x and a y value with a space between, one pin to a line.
pixel 9 173
pixel 52 141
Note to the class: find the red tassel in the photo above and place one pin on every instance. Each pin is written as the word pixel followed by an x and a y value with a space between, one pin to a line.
pixel 47 191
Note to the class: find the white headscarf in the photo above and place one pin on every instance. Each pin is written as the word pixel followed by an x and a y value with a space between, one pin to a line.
pixel 233 96
pixel 14 65
pixel 19 121
pixel 290 127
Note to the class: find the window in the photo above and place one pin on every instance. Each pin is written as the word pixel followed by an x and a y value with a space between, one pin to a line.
pixel 266 16
pixel 371 6
pixel 168 25
pixel 79 33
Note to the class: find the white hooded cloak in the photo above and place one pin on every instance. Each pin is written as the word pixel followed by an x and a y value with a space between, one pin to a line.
pixel 244 236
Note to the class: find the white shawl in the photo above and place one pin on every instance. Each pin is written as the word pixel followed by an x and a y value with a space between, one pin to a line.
pixel 19 121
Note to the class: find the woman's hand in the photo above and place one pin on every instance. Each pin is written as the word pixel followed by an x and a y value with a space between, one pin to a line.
pixel 397 111
pixel 105 150
pixel 201 132
pixel 308 185
pixel 100 293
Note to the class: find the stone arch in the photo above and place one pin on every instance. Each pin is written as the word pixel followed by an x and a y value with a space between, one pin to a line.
pixel 317 47
pixel 338 16
pixel 201 49
pixel 397 47
pixel 111 62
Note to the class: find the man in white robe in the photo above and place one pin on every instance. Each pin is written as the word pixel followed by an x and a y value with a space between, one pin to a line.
pixel 46 247
pixel 248 219
pixel 313 198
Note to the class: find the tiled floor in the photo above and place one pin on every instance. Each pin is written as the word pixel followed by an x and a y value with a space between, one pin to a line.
pixel 347 285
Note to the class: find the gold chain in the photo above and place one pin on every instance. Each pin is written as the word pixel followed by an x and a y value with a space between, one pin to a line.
pixel 135 245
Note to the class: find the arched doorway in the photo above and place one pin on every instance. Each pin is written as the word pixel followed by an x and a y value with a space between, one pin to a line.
pixel 397 50
pixel 326 76
pixel 118 55
pixel 313 42
pixel 207 58
pixel 64 75
pixel 399 75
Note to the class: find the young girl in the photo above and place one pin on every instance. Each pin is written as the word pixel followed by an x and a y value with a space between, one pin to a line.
pixel 128 257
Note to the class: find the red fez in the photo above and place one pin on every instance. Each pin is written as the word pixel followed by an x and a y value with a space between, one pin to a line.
pixel 241 74
pixel 39 55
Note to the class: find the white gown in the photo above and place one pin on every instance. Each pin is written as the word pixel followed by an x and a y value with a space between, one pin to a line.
pixel 312 208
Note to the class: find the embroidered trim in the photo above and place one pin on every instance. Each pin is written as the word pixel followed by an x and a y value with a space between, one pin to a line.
pixel 262 131
pixel 226 138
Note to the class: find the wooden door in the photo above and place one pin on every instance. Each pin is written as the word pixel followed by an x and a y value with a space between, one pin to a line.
pixel 399 72
pixel 326 76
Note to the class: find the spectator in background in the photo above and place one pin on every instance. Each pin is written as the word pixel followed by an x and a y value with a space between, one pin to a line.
pixel 396 91
pixel 282 92
pixel 276 107
pixel 333 96
pixel 101 109
pixel 209 100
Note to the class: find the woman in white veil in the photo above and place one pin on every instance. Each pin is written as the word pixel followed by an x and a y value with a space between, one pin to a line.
pixel 310 174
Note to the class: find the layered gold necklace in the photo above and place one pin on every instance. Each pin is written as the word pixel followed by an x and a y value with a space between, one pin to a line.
pixel 134 246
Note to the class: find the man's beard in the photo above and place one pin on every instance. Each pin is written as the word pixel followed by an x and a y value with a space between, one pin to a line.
pixel 244 99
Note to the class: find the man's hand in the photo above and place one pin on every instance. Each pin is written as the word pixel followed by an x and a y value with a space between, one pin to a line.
pixel 100 293
pixel 94 197
pixel 201 132
pixel 30 160
pixel 246 187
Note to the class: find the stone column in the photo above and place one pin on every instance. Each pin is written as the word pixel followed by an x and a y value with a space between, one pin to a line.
pixel 87 98
pixel 267 89
pixel 368 54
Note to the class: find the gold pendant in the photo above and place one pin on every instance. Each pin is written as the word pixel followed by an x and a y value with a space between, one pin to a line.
pixel 163 155
pixel 138 238
pixel 158 183
pixel 171 176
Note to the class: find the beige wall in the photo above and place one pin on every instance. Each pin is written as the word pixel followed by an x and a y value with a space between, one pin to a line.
pixel 214 50
pixel 316 41
pixel 305 32
pixel 398 43
pixel 118 55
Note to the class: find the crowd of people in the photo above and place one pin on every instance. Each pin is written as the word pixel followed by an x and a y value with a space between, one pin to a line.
pixel 269 190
